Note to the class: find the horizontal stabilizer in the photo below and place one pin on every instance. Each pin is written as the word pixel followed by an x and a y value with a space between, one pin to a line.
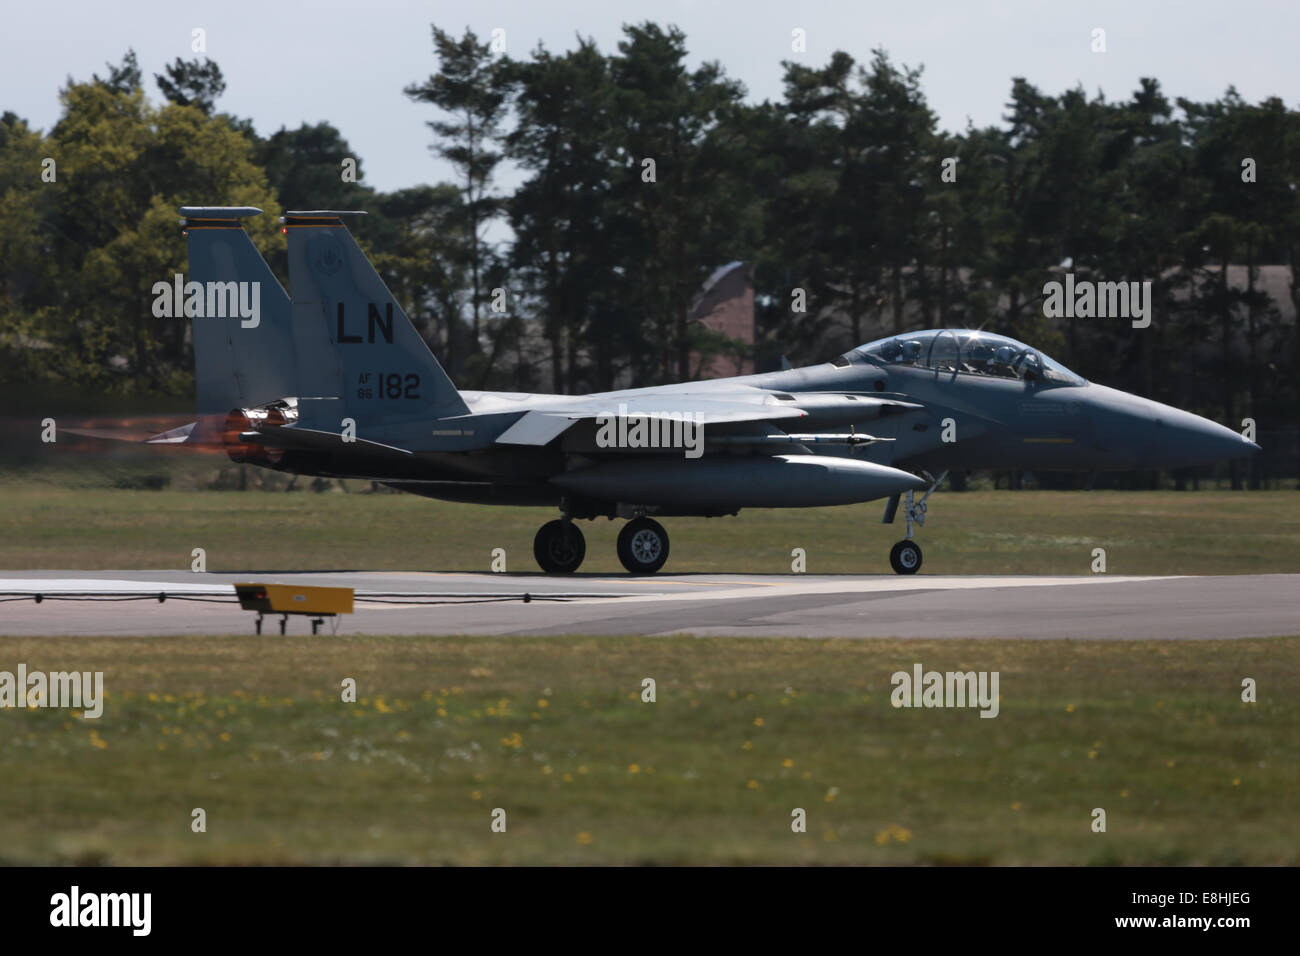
pixel 185 434
pixel 174 436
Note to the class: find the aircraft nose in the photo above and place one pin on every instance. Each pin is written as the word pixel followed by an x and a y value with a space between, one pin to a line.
pixel 1140 433
pixel 1185 439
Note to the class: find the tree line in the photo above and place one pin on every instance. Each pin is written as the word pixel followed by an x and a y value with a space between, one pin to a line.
pixel 856 215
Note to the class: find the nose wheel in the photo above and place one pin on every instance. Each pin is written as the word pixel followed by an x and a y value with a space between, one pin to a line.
pixel 905 557
pixel 559 547
pixel 643 546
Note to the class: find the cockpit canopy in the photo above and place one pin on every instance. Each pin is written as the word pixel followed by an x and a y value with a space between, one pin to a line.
pixel 968 351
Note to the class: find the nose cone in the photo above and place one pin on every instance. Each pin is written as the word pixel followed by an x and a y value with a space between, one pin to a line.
pixel 1186 439
pixel 1139 433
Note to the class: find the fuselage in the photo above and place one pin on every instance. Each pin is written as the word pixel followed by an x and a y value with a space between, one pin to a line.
pixel 921 412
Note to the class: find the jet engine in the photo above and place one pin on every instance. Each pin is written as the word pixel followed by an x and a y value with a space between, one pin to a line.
pixel 241 421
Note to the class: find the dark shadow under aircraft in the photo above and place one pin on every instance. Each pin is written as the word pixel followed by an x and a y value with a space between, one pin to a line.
pixel 336 382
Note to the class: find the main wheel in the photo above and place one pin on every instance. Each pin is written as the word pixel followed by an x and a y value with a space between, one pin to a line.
pixel 643 546
pixel 559 547
pixel 905 557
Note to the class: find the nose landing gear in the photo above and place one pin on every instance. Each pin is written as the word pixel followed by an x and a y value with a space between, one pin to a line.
pixel 905 556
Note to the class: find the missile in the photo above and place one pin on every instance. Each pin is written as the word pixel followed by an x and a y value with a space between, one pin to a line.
pixel 784 438
pixel 778 481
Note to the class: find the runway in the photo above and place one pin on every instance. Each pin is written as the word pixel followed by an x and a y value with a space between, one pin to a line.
pixel 809 606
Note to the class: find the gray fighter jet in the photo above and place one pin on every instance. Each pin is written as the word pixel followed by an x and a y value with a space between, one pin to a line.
pixel 336 382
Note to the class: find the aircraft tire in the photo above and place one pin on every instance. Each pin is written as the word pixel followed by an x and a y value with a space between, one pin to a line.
pixel 559 547
pixel 643 546
pixel 905 557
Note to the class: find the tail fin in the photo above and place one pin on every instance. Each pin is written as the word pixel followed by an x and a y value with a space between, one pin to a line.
pixel 383 371
pixel 237 365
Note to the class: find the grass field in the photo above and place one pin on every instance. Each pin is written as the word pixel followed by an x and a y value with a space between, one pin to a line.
pixel 1027 532
pixel 554 732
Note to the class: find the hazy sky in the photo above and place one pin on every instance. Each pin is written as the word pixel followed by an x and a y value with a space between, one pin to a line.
pixel 345 62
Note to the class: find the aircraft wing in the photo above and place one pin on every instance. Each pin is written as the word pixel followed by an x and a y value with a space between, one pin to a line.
pixel 539 426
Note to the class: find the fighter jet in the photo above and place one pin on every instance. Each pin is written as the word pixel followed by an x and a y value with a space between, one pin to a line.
pixel 335 381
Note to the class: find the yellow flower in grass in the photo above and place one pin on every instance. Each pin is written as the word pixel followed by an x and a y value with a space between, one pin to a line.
pixel 893 832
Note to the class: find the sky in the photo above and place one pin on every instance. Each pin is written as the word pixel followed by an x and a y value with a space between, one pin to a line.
pixel 290 61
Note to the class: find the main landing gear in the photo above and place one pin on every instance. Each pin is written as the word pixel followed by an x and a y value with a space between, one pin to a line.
pixel 643 546
pixel 560 546
pixel 905 556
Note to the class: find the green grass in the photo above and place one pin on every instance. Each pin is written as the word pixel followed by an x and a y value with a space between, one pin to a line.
pixel 1029 532
pixel 554 732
